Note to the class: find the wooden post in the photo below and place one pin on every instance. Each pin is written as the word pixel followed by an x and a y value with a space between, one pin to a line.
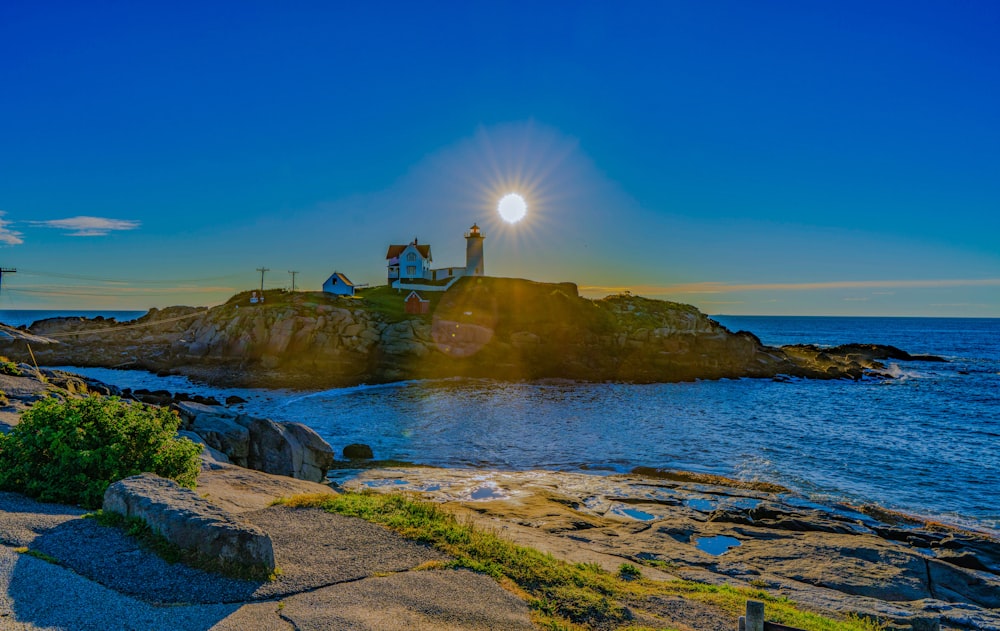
pixel 41 377
pixel 755 616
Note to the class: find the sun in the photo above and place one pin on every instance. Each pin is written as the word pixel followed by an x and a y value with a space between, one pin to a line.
pixel 512 208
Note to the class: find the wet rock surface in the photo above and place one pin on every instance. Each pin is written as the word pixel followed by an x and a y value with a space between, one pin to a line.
pixel 832 558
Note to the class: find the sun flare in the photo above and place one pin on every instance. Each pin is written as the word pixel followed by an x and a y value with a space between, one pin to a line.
pixel 512 208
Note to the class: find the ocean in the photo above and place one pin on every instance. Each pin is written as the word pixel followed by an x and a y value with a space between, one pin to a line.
pixel 926 443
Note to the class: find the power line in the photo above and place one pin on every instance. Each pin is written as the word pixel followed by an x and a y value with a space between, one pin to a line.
pixel 10 270
pixel 61 292
pixel 293 279
pixel 262 270
pixel 135 281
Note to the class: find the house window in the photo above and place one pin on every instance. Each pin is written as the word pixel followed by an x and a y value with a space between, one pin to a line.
pixel 411 270
pixel 411 257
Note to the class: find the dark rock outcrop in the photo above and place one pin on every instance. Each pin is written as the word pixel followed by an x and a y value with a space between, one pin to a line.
pixel 358 451
pixel 289 449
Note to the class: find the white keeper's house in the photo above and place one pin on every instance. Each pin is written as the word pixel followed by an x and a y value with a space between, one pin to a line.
pixel 409 266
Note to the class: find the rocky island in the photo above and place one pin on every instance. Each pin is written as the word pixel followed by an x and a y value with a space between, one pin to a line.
pixel 481 327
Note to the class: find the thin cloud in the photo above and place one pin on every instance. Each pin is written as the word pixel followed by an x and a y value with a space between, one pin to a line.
pixel 8 236
pixel 718 287
pixel 84 226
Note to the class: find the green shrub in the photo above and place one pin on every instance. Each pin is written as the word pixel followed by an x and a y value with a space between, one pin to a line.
pixel 8 367
pixel 71 451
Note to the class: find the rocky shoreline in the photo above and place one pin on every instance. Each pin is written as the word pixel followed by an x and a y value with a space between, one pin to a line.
pixel 833 559
pixel 903 572
pixel 487 327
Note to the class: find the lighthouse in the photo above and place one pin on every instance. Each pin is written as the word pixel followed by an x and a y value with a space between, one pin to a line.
pixel 474 265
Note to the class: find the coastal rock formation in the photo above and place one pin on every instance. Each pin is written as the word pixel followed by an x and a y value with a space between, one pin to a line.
pixel 481 327
pixel 835 558
pixel 289 449
pixel 358 451
pixel 188 521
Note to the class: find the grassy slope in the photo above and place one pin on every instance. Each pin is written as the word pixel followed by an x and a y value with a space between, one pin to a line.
pixel 563 596
pixel 504 304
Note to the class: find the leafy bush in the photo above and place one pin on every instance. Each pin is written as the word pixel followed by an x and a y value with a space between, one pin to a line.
pixel 72 451
pixel 8 367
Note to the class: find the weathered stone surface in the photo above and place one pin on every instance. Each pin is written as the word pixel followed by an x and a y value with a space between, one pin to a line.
pixel 188 521
pixel 956 584
pixel 837 560
pixel 188 410
pixel 289 449
pixel 317 455
pixel 358 451
pixel 273 449
pixel 210 458
pixel 225 435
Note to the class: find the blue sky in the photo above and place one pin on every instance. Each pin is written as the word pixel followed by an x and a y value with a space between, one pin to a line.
pixel 755 158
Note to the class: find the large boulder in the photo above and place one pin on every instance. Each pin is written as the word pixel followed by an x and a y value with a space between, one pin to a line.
pixel 211 458
pixel 317 455
pixel 189 410
pixel 224 434
pixel 289 449
pixel 273 449
pixel 358 451
pixel 189 521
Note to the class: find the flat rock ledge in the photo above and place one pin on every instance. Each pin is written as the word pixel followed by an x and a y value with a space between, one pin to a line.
pixel 189 521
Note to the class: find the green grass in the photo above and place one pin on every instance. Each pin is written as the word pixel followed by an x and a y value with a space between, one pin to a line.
pixel 390 303
pixel 154 542
pixel 48 558
pixel 563 596
pixel 381 299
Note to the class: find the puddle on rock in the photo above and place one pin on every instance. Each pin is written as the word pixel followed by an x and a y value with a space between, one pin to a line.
pixel 716 545
pixel 632 513
pixel 487 493
pixel 747 503
pixel 701 505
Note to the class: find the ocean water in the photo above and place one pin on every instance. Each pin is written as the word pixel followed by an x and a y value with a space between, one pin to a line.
pixel 25 317
pixel 927 443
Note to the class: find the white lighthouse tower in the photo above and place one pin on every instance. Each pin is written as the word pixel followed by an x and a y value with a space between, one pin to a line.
pixel 474 264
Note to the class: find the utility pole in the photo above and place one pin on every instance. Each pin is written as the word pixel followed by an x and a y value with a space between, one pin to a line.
pixel 262 270
pixel 293 279
pixel 5 270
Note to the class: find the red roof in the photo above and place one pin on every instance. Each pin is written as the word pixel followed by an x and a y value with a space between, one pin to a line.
pixel 396 250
